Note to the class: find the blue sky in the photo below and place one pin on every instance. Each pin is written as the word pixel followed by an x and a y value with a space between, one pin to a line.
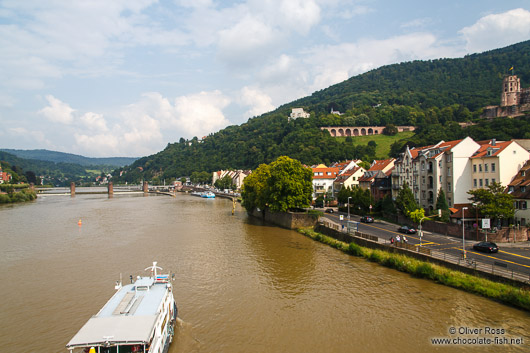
pixel 127 77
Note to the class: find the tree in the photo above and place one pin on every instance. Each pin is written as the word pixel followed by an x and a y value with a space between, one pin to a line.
pixel 253 193
pixel 405 200
pixel 283 185
pixel 390 130
pixel 493 201
pixel 224 183
pixel 418 215
pixel 441 204
pixel 290 185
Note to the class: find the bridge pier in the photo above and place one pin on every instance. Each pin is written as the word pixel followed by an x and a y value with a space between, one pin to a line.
pixel 110 188
pixel 72 189
pixel 145 187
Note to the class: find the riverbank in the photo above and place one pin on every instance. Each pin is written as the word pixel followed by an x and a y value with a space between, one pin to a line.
pixel 11 195
pixel 501 292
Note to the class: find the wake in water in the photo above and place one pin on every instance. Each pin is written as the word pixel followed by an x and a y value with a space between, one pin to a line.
pixel 184 340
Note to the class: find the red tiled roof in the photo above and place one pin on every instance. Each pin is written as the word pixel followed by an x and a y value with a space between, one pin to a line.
pixel 496 149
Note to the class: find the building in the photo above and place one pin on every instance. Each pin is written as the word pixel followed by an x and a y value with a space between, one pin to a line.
pixel 497 161
pixel 445 165
pixel 348 179
pixel 5 177
pixel 237 176
pixel 323 178
pixel 519 188
pixel 515 100
pixel 378 178
pixel 298 113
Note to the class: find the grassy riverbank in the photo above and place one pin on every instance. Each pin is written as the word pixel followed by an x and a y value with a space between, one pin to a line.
pixel 501 292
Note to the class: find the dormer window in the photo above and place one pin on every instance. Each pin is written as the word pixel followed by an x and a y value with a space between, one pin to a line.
pixel 523 173
pixel 523 188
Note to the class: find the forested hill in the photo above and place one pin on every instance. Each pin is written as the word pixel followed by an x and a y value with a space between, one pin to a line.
pixel 61 157
pixel 432 95
pixel 473 81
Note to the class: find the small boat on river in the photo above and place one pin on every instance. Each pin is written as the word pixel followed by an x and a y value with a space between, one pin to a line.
pixel 139 317
pixel 208 195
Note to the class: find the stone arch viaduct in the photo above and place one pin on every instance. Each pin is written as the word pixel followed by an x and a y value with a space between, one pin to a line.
pixel 342 131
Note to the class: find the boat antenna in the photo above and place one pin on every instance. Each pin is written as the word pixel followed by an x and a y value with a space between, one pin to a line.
pixel 153 268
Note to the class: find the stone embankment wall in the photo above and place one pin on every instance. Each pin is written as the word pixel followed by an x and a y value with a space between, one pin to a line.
pixel 289 220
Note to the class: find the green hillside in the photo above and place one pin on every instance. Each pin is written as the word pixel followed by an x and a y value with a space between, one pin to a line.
pixel 61 157
pixel 432 95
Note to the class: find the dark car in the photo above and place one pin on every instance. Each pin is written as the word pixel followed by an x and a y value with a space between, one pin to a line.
pixel 406 230
pixel 486 246
pixel 367 219
pixel 329 210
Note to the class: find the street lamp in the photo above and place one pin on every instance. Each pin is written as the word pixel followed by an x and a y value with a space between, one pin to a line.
pixel 476 215
pixel 463 233
pixel 349 197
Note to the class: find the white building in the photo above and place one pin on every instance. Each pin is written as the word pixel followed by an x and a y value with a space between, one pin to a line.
pixel 298 113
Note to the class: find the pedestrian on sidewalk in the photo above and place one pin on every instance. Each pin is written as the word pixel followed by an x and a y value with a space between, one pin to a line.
pixel 392 240
pixel 405 239
pixel 398 238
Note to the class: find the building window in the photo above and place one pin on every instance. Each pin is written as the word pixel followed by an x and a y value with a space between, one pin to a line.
pixel 449 202
pixel 492 180
pixel 449 171
pixel 449 186
pixel 480 167
pixel 487 182
pixel 523 188
pixel 486 167
pixel 440 178
pixel 474 182
pixel 480 182
pixel 492 167
pixel 511 188
pixel 328 173
pixel 523 205
pixel 474 168
pixel 423 179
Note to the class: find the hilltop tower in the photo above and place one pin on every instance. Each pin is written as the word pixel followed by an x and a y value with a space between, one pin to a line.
pixel 511 91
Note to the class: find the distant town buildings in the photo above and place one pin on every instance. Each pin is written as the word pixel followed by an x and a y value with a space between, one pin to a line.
pixel 237 176
pixel 5 177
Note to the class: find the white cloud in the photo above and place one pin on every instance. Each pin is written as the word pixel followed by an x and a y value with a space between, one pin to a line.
pixel 497 30
pixel 57 111
pixel 199 114
pixel 247 41
pixel 24 133
pixel 258 100
pixel 94 121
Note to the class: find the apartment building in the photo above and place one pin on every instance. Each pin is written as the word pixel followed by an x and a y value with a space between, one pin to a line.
pixel 497 161
pixel 323 178
pixel 519 188
pixel 445 165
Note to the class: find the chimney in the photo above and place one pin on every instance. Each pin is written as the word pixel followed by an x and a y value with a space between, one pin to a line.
pixel 493 142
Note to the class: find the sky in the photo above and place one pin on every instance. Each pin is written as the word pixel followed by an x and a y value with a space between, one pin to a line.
pixel 114 78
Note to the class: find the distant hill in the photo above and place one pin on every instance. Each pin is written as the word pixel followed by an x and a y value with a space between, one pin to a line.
pixel 61 157
pixel 433 95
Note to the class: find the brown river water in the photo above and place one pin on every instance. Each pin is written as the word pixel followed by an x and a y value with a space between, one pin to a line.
pixel 241 286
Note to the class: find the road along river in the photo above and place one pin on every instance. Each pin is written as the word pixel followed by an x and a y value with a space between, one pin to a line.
pixel 241 286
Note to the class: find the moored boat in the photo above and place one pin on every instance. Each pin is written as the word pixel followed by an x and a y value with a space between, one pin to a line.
pixel 208 195
pixel 139 317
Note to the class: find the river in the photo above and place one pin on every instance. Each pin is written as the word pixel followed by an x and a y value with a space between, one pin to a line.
pixel 241 286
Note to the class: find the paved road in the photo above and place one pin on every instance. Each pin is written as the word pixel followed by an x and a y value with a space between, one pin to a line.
pixel 514 256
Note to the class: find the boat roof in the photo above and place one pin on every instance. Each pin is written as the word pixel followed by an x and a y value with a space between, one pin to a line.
pixel 128 317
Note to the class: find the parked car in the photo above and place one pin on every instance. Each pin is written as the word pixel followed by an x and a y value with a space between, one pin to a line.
pixel 486 246
pixel 406 230
pixel 367 219
pixel 329 210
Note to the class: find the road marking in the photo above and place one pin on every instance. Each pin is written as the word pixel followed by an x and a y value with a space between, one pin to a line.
pixel 509 253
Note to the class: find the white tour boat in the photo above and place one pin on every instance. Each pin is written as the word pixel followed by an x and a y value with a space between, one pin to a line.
pixel 140 317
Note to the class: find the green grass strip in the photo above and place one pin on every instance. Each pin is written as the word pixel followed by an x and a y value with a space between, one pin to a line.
pixel 501 292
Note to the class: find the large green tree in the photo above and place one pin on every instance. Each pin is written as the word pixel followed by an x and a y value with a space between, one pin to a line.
pixel 283 185
pixel 493 201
